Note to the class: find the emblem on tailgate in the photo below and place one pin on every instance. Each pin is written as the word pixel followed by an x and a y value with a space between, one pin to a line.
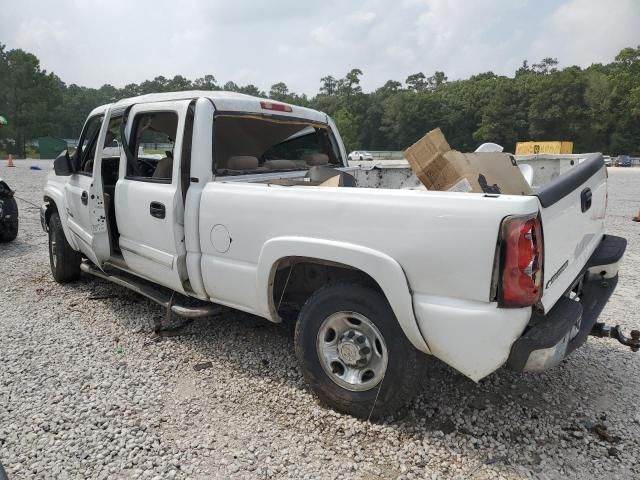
pixel 557 274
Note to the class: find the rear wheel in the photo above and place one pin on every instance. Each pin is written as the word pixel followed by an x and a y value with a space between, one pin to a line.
pixel 354 354
pixel 64 260
pixel 8 219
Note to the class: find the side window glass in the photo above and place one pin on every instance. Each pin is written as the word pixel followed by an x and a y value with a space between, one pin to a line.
pixel 152 143
pixel 87 145
pixel 111 150
pixel 112 142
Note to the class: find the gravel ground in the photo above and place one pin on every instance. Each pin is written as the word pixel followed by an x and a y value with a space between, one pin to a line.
pixel 86 393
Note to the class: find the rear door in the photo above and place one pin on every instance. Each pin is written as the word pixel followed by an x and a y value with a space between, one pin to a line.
pixel 148 197
pixel 573 211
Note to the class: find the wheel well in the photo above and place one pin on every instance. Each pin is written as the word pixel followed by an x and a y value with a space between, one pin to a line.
pixel 51 207
pixel 295 279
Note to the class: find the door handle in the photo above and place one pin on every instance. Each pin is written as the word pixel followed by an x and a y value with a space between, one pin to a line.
pixel 585 199
pixel 157 210
pixel 84 197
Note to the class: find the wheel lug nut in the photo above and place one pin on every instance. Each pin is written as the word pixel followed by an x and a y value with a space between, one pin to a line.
pixel 365 350
pixel 351 334
pixel 360 339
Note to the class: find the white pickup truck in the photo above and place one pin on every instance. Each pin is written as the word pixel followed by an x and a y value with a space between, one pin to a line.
pixel 253 206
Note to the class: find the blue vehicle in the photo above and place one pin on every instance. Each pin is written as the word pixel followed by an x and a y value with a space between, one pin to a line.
pixel 623 161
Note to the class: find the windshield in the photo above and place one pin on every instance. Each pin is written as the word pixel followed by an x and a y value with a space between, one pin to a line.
pixel 248 144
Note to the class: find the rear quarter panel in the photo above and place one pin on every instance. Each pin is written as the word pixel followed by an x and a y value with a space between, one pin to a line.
pixel 444 242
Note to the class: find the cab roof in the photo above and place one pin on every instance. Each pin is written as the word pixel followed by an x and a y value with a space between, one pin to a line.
pixel 223 101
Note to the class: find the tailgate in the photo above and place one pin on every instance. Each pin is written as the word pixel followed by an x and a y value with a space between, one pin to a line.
pixel 572 209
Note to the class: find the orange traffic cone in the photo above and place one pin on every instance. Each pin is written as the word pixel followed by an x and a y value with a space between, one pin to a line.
pixel 10 162
pixel 637 217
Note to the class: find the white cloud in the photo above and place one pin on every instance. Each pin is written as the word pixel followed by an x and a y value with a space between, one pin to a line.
pixel 584 31
pixel 252 41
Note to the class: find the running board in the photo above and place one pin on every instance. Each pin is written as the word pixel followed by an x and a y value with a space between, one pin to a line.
pixel 161 298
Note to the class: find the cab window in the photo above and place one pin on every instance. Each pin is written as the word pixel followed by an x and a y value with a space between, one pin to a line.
pixel 152 144
pixel 86 151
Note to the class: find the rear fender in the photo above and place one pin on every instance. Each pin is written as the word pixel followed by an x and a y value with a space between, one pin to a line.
pixel 379 266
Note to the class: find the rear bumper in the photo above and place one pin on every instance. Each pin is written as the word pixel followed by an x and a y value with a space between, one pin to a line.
pixel 550 338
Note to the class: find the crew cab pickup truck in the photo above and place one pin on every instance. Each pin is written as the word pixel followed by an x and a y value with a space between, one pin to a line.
pixel 253 206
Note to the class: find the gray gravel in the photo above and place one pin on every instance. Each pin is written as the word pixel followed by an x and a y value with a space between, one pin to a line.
pixel 86 393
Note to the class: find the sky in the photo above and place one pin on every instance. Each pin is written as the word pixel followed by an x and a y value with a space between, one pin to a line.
pixel 263 42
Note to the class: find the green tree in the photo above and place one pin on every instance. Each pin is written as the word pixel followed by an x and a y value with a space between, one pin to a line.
pixel 598 107
pixel 30 97
pixel 329 85
pixel 436 80
pixel 251 90
pixel 208 82
pixel 417 82
pixel 231 87
pixel 347 127
pixel 279 91
pixel 350 84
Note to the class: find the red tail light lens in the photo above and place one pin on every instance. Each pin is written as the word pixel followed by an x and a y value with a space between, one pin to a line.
pixel 522 261
pixel 276 107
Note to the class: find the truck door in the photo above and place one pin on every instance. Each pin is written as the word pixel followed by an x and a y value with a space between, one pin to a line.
pixel 105 176
pixel 78 188
pixel 149 203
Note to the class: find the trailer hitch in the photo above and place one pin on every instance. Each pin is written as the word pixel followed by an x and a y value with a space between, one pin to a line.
pixel 603 330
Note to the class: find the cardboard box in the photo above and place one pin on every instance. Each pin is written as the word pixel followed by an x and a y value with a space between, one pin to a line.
pixel 440 168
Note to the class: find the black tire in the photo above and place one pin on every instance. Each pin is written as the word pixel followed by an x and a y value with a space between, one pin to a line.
pixel 9 220
pixel 64 260
pixel 405 364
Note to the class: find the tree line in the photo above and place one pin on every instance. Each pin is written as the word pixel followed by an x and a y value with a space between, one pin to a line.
pixel 598 107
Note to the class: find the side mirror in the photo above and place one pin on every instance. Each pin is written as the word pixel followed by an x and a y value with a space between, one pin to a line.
pixel 62 165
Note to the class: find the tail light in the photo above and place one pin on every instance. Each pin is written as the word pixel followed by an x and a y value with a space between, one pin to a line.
pixel 521 265
pixel 276 107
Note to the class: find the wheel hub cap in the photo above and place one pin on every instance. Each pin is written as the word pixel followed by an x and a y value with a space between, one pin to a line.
pixel 352 351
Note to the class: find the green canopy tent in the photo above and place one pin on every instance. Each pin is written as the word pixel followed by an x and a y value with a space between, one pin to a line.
pixel 50 147
pixel 3 121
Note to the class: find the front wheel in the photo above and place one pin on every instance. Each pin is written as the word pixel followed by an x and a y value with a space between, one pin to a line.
pixel 64 260
pixel 354 354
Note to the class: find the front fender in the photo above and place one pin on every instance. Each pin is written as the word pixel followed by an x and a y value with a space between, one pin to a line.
pixel 53 193
pixel 379 266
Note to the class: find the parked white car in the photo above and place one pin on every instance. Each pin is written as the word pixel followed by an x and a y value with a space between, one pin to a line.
pixel 360 155
pixel 253 207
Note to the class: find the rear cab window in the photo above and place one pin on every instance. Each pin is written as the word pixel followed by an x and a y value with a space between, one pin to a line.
pixel 250 145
